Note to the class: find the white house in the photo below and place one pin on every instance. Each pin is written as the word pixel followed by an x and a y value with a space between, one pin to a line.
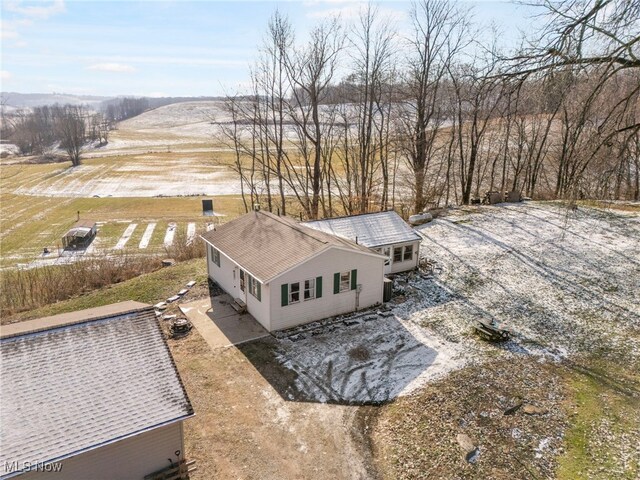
pixel 384 232
pixel 288 274
pixel 93 394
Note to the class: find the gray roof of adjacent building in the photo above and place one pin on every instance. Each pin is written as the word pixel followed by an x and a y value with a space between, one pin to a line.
pixel 371 229
pixel 78 381
pixel 267 245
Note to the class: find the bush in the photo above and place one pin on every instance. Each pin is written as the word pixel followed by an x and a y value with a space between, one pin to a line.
pixel 182 249
pixel 36 287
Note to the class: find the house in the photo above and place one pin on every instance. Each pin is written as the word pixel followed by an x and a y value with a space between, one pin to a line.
pixel 384 232
pixel 93 394
pixel 80 234
pixel 288 274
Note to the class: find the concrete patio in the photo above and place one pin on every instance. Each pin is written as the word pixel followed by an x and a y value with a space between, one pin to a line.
pixel 219 324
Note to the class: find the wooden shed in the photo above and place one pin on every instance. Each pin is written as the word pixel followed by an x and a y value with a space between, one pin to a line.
pixel 80 235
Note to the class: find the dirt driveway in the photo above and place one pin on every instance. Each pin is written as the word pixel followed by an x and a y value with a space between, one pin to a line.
pixel 243 429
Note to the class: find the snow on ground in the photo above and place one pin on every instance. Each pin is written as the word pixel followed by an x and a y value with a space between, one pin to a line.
pixel 157 180
pixel 146 236
pixel 367 361
pixel 191 232
pixel 125 236
pixel 169 236
pixel 564 283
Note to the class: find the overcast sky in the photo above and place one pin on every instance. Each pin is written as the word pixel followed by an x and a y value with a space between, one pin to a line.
pixel 170 48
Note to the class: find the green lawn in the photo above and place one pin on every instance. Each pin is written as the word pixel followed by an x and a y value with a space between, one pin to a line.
pixel 31 223
pixel 604 410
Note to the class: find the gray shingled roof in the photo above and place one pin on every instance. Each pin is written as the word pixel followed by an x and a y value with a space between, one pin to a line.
pixel 77 386
pixel 266 245
pixel 371 229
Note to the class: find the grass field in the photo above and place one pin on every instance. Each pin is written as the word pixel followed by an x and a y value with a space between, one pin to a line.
pixel 156 168
pixel 30 223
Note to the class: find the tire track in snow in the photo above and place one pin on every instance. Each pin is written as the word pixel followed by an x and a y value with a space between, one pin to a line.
pixel 125 236
pixel 146 236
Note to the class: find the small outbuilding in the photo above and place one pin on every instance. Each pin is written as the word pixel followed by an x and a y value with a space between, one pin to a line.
pixel 93 394
pixel 286 274
pixel 80 235
pixel 385 232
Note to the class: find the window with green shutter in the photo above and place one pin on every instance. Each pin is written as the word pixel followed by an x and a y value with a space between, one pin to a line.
pixel 343 281
pixel 284 294
pixel 215 255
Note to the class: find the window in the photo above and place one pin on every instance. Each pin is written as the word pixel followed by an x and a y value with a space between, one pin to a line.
pixel 408 252
pixel 397 254
pixel 215 255
pixel 290 292
pixel 294 292
pixel 310 289
pixel 386 251
pixel 345 281
pixel 254 286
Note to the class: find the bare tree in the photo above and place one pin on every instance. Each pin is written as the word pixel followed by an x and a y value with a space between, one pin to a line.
pixel 310 71
pixel 70 129
pixel 440 32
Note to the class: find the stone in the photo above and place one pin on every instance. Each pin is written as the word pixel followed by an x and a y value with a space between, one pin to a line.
pixel 512 410
pixel 468 447
pixel 533 410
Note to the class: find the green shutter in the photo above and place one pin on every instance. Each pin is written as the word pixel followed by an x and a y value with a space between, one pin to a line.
pixel 354 279
pixel 336 282
pixel 318 287
pixel 285 294
pixel 259 290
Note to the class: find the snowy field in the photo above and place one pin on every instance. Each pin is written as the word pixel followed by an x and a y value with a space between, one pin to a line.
pixel 140 177
pixel 564 282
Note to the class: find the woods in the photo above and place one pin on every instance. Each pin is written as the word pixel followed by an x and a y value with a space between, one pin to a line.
pixel 67 127
pixel 359 117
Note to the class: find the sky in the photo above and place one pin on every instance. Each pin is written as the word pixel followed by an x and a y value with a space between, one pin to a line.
pixel 172 48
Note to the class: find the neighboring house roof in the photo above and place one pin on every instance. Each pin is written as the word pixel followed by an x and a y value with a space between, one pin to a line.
pixel 74 382
pixel 267 245
pixel 81 228
pixel 84 223
pixel 371 229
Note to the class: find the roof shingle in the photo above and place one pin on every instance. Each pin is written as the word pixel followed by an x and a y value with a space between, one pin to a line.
pixel 76 386
pixel 266 244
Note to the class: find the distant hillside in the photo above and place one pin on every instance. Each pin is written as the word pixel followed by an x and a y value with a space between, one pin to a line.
pixel 15 100
pixel 30 100
pixel 155 102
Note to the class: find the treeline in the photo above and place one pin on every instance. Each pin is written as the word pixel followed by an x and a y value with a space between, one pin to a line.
pixel 123 108
pixel 119 109
pixel 42 130
pixel 358 119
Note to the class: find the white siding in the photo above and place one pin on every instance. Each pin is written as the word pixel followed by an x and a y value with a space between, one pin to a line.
pixel 129 459
pixel 403 266
pixel 229 280
pixel 370 276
